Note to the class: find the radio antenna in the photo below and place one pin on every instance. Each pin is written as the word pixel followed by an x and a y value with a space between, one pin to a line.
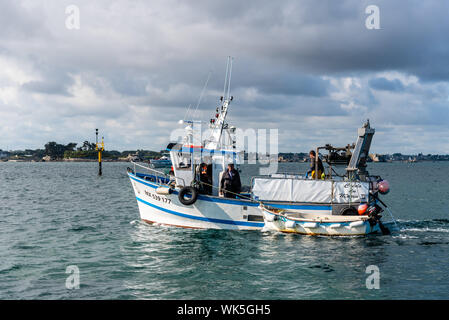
pixel 226 78
pixel 229 79
pixel 187 112
pixel 202 94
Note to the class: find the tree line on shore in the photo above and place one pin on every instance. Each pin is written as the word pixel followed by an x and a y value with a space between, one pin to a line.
pixel 87 150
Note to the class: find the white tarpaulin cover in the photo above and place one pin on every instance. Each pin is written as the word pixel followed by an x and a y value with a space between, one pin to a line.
pixel 317 191
pixel 346 191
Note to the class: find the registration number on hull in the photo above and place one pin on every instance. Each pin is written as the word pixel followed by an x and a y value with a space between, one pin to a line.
pixel 157 197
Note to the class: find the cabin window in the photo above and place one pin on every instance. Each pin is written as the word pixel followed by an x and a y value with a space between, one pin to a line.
pixel 183 161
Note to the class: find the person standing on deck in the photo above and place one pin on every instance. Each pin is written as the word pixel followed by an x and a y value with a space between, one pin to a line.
pixel 206 178
pixel 230 182
pixel 313 159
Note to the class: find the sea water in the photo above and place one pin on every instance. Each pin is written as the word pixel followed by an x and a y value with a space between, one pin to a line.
pixel 56 216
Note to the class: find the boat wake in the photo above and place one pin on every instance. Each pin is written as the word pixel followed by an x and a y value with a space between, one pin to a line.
pixel 428 232
pixel 433 225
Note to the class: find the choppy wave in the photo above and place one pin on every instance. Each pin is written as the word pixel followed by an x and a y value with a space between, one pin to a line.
pixel 60 223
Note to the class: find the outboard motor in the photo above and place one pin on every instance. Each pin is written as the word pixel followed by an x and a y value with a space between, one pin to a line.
pixel 374 212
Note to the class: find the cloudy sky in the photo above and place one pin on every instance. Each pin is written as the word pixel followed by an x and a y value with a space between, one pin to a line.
pixel 309 68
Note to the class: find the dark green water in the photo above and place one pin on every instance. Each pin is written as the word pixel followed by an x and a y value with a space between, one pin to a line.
pixel 53 215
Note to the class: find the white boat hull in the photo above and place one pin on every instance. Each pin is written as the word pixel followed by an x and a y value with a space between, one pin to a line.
pixel 206 213
pixel 210 212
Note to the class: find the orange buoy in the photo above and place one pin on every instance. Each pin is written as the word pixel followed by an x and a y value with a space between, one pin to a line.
pixel 362 208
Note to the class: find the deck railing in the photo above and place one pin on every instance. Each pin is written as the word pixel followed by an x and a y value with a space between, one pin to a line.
pixel 161 177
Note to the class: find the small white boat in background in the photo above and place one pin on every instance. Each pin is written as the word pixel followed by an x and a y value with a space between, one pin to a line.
pixel 162 162
pixel 333 204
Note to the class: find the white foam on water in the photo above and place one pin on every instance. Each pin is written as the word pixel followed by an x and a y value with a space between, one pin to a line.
pixel 425 229
pixel 405 236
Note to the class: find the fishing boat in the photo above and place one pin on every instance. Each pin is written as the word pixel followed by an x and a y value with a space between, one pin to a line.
pixel 330 204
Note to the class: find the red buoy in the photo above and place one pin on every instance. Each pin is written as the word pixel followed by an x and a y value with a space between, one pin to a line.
pixel 383 187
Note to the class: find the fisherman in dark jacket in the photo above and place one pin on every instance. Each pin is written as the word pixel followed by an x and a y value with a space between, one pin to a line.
pixel 230 182
pixel 313 159
pixel 206 178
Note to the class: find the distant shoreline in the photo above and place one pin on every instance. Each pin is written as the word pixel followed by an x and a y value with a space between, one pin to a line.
pixel 116 160
pixel 66 160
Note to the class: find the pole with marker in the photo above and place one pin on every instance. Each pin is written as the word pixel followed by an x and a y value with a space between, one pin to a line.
pixel 100 149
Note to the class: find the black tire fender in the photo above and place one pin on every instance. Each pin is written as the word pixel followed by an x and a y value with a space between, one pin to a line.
pixel 188 190
pixel 349 211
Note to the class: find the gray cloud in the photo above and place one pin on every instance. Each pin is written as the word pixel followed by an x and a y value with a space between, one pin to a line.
pixel 385 84
pixel 309 68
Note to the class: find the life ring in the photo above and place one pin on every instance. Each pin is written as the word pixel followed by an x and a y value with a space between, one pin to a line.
pixel 193 195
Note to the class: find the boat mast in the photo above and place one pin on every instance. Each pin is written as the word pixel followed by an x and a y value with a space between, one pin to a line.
pixel 217 124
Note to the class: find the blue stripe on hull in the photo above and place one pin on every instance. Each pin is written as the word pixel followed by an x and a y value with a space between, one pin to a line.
pixel 213 220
